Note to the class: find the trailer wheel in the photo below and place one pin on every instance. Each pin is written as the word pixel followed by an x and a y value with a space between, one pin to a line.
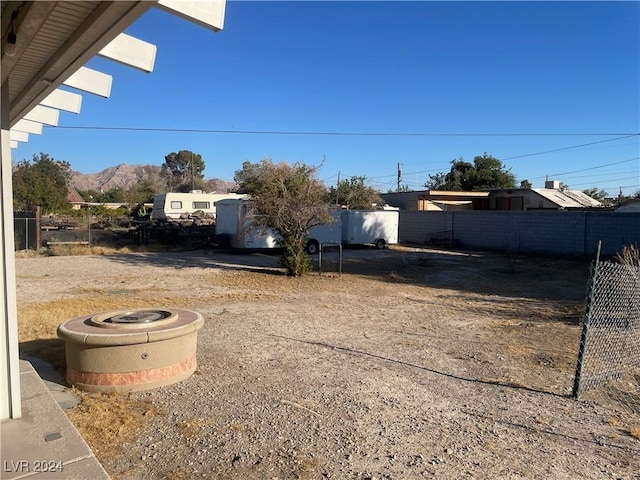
pixel 381 244
pixel 312 247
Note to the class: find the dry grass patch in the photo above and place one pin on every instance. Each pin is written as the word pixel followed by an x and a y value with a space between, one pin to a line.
pixel 39 321
pixel 110 421
pixel 632 431
pixel 191 428
pixel 71 250
pixel 275 283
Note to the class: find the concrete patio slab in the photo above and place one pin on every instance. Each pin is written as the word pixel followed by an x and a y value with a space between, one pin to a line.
pixel 43 443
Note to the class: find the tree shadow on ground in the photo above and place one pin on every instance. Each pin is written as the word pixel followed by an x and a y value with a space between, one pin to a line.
pixel 483 273
pixel 255 261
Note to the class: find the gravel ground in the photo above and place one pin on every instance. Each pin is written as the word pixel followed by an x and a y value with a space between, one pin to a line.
pixel 411 364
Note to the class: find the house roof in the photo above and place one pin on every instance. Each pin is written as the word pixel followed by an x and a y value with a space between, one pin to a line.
pixel 630 205
pixel 568 198
pixel 73 196
pixel 453 195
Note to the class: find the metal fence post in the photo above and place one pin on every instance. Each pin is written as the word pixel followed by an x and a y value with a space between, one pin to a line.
pixel 586 325
pixel 339 245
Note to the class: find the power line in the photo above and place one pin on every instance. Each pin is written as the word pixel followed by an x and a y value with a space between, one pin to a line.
pixel 618 136
pixel 410 173
pixel 596 167
pixel 606 182
pixel 350 134
pixel 600 175
pixel 574 146
pixel 532 178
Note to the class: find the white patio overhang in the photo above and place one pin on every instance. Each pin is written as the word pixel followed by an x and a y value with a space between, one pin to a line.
pixel 45 44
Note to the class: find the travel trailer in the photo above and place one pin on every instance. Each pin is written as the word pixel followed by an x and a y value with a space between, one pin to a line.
pixel 176 205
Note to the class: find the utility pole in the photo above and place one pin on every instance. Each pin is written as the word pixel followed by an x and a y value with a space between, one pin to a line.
pixel 337 189
pixel 399 177
pixel 620 196
pixel 193 176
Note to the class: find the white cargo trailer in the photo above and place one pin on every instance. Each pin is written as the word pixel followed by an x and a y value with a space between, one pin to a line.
pixel 328 234
pixel 377 227
pixel 235 224
pixel 174 204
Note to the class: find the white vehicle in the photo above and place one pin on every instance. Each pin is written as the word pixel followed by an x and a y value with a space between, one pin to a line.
pixel 329 234
pixel 234 221
pixel 377 227
pixel 174 205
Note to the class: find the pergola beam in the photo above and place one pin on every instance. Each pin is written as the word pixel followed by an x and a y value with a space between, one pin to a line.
pixel 131 51
pixel 63 100
pixel 208 14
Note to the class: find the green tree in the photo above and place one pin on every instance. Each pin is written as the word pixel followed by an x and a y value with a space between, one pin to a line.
pixel 525 184
pixel 289 200
pixel 88 195
pixel 596 193
pixel 115 195
pixel 143 192
pixel 247 177
pixel 437 181
pixel 354 194
pixel 149 183
pixel 183 171
pixel 485 173
pixel 42 181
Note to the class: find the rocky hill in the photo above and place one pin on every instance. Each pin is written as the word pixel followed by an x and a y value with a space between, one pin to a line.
pixel 125 176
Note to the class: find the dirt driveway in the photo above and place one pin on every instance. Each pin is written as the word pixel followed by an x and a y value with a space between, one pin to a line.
pixel 411 364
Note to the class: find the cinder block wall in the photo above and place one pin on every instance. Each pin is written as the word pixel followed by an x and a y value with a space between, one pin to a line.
pixel 537 232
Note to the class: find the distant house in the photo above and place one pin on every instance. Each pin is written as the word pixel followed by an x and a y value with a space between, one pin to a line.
pixel 629 205
pixel 552 197
pixel 79 203
pixel 434 200
pixel 74 198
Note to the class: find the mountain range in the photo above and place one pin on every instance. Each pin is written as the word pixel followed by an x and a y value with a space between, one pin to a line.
pixel 126 176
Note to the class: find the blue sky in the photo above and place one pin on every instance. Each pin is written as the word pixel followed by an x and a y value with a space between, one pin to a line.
pixel 422 83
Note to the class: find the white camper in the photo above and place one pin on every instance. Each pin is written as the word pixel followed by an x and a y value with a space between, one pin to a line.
pixel 173 204
pixel 234 224
pixel 377 227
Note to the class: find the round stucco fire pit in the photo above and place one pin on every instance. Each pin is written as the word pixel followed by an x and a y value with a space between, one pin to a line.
pixel 124 350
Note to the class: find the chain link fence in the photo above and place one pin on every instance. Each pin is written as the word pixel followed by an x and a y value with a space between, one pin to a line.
pixel 608 367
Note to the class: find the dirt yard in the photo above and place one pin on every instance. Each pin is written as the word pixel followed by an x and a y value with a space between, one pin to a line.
pixel 411 364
